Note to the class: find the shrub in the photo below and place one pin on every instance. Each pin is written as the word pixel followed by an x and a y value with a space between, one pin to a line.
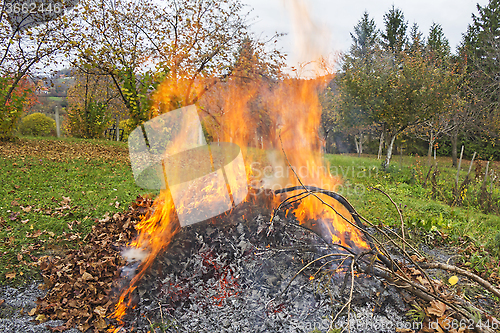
pixel 128 126
pixel 12 108
pixel 37 124
pixel 88 123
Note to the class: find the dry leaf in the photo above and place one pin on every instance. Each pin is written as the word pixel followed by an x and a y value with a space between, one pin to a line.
pixel 414 271
pixel 437 308
pixel 403 330
pixel 100 311
pixel 32 312
pixel 41 318
pixel 100 324
pixel 65 280
pixel 10 275
pixel 422 280
pixel 453 280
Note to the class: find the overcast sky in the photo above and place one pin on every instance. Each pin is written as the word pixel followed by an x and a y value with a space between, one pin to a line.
pixel 331 21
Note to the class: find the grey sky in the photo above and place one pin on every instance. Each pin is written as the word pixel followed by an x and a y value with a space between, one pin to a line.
pixel 338 18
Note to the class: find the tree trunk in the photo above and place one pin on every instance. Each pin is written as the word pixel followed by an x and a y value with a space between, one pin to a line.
pixel 356 143
pixel 118 128
pixel 380 145
pixel 454 142
pixel 389 150
pixel 431 144
pixel 360 144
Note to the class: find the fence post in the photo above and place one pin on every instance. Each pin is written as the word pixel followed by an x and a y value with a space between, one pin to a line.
pixel 117 128
pixel 458 169
pixel 58 121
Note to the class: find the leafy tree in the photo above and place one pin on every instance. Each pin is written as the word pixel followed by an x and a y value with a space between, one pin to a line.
pixel 479 52
pixel 365 44
pixel 484 48
pixel 110 39
pixel 439 124
pixel 143 43
pixel 12 110
pixel 437 53
pixel 27 43
pixel 399 97
pixel 330 100
pixel 92 102
pixel 90 122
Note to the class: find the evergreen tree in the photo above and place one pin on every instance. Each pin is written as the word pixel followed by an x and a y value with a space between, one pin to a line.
pixel 438 47
pixel 394 37
pixel 480 52
pixel 416 42
pixel 364 38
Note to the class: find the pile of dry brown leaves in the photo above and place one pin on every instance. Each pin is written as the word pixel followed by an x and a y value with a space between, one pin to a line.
pixel 60 150
pixel 83 283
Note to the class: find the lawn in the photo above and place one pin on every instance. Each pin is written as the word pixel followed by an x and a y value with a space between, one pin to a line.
pixel 426 212
pixel 52 193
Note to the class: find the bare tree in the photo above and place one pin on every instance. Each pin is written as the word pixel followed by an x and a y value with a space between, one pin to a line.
pixel 432 129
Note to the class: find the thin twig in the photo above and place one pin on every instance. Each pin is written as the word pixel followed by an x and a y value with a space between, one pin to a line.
pixel 347 304
pixel 399 212
pixel 404 241
pixel 331 207
pixel 309 264
pixel 470 275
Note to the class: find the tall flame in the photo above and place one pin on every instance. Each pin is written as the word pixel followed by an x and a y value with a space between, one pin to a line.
pixel 264 117
pixel 255 115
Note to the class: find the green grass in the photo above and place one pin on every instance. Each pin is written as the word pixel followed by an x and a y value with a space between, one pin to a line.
pixel 32 200
pixel 105 142
pixel 421 210
pixel 53 98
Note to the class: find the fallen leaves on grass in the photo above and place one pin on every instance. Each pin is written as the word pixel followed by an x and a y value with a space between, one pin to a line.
pixel 82 284
pixel 58 150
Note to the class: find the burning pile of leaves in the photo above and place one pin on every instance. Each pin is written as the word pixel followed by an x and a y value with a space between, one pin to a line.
pixel 231 274
pixel 245 271
pixel 83 282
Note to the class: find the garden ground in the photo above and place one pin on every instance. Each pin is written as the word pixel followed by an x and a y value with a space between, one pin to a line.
pixel 54 190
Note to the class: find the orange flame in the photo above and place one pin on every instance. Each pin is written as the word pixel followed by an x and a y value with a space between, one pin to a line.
pixel 262 117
